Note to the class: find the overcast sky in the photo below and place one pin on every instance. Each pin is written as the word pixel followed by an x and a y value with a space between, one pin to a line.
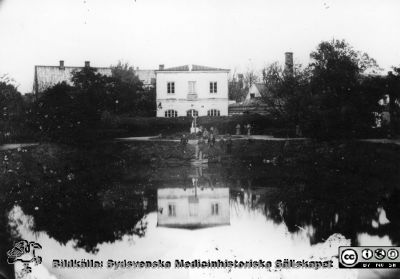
pixel 236 34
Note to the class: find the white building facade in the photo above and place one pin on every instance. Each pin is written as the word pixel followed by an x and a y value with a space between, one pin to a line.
pixel 192 90
pixel 193 207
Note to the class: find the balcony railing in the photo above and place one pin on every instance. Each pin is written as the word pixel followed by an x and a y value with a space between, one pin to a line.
pixel 192 96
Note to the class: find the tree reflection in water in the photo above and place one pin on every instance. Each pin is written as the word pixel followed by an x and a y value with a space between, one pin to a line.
pixel 76 194
pixel 101 193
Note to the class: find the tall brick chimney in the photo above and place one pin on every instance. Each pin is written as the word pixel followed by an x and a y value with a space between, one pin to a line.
pixel 87 64
pixel 289 63
pixel 62 65
pixel 161 67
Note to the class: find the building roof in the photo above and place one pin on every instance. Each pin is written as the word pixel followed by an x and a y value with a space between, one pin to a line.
pixel 205 68
pixel 177 68
pixel 260 87
pixel 193 68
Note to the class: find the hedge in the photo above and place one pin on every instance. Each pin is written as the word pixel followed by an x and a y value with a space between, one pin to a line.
pixel 152 126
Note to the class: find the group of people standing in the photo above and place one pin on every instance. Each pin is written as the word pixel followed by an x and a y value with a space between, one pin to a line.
pixel 246 129
pixel 207 138
pixel 206 143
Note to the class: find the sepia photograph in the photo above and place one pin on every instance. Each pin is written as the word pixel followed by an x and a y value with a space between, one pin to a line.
pixel 189 139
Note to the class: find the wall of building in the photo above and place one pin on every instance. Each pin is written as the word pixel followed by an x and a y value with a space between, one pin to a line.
pixel 148 77
pixel 205 100
pixel 180 199
pixel 202 106
pixel 255 108
pixel 48 76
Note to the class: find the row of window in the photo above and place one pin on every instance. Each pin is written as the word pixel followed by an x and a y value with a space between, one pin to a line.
pixel 171 113
pixel 191 87
pixel 191 113
pixel 193 210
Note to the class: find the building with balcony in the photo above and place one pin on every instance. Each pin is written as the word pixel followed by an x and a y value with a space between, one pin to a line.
pixel 191 90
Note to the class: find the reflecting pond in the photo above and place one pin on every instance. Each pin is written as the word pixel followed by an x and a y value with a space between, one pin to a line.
pixel 145 201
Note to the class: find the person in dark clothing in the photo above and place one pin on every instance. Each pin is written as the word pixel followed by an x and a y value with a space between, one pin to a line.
pixel 184 140
pixel 211 139
pixel 205 133
pixel 229 145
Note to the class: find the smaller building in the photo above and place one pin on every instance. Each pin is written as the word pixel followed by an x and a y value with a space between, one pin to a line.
pixel 255 92
pixel 193 208
pixel 147 77
pixel 48 76
pixel 253 103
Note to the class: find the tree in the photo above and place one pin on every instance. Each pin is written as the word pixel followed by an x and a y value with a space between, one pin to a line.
pixel 131 97
pixel 76 113
pixel 250 78
pixel 63 114
pixel 97 92
pixel 336 71
pixel 237 90
pixel 11 102
pixel 273 79
pixel 372 89
pixel 72 114
pixel 125 73
pixel 11 110
pixel 286 93
pixel 333 97
pixel 393 90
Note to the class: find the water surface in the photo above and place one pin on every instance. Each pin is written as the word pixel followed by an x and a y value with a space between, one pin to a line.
pixel 146 202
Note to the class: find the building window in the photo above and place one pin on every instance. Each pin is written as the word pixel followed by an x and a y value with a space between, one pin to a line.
pixel 213 112
pixel 193 209
pixel 171 113
pixel 171 87
pixel 171 210
pixel 192 113
pixel 213 87
pixel 214 209
pixel 192 87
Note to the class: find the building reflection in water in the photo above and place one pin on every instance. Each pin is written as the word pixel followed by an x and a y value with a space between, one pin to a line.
pixel 199 205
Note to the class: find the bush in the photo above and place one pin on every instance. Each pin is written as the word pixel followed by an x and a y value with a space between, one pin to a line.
pixel 16 131
pixel 227 124
pixel 152 126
